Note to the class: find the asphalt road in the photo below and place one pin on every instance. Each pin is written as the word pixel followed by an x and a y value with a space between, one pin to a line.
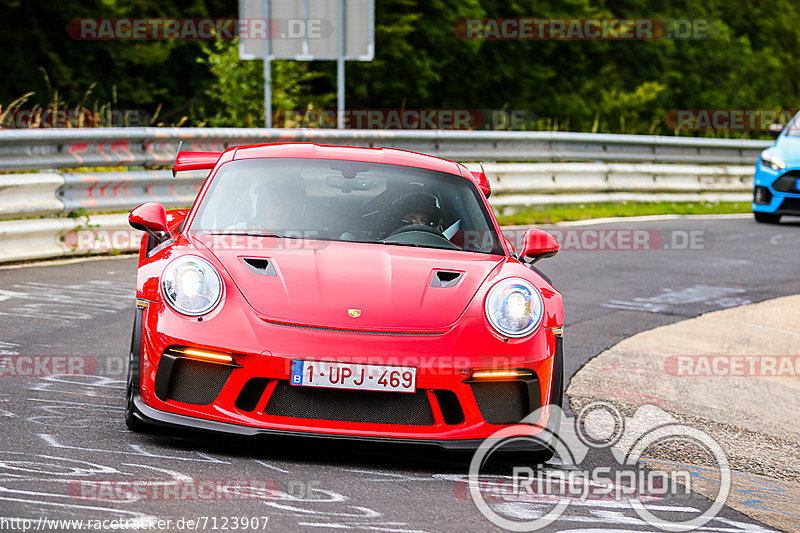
pixel 63 437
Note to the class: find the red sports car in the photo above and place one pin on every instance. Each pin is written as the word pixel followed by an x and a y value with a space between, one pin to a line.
pixel 340 292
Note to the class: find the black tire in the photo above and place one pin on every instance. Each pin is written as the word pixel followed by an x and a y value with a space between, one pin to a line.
pixel 541 456
pixel 529 458
pixel 766 218
pixel 556 399
pixel 133 423
pixel 132 385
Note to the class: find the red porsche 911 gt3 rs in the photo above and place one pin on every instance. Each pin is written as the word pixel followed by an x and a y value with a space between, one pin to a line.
pixel 340 292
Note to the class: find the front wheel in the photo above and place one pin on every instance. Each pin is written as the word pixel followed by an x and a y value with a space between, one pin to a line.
pixel 132 384
pixel 547 450
pixel 133 423
pixel 766 218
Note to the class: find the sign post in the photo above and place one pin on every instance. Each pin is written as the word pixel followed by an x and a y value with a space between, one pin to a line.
pixel 267 73
pixel 340 66
pixel 307 30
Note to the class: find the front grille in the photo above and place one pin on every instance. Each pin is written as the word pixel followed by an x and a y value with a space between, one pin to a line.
pixel 400 408
pixel 787 182
pixel 502 402
pixel 452 413
pixel 762 195
pixel 197 382
pixel 251 394
pixel 790 204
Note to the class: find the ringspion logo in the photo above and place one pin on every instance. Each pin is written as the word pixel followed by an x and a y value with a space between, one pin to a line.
pixel 632 441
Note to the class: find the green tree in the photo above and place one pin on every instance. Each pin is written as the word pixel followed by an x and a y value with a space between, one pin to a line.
pixel 748 61
pixel 238 87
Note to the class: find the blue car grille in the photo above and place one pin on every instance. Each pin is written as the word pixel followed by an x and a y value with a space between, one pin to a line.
pixel 788 182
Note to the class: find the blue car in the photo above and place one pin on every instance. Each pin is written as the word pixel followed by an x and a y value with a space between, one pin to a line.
pixel 776 189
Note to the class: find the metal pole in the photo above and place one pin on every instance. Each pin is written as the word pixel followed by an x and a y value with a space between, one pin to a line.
pixel 267 70
pixel 340 68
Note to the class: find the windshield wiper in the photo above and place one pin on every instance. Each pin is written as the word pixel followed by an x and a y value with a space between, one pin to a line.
pixel 395 243
pixel 250 234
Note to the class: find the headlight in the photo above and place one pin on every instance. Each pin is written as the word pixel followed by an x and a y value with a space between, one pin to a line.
pixel 191 285
pixel 768 159
pixel 514 307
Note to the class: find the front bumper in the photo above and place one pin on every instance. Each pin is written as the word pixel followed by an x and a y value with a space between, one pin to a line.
pixel 446 410
pixel 154 417
pixel 776 191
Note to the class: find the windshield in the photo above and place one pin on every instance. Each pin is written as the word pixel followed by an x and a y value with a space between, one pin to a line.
pixel 793 128
pixel 347 201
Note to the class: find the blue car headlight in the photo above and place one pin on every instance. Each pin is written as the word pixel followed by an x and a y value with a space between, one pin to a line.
pixel 191 285
pixel 514 307
pixel 769 159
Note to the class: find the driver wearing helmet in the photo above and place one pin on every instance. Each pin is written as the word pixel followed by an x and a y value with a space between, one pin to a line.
pixel 416 208
pixel 280 205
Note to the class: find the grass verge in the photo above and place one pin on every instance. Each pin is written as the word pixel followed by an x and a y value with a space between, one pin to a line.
pixel 558 213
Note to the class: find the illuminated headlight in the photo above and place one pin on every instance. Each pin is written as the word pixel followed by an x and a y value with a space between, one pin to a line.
pixel 191 285
pixel 514 307
pixel 768 159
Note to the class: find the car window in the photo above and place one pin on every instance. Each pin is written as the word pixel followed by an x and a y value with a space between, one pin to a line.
pixel 347 201
pixel 793 128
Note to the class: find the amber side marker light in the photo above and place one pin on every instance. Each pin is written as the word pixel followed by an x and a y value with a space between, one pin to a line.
pixel 500 374
pixel 203 355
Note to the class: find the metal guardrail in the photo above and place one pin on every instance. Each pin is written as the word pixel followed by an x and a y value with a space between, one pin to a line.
pixel 44 194
pixel 117 191
pixel 517 185
pixel 513 185
pixel 148 147
pixel 524 168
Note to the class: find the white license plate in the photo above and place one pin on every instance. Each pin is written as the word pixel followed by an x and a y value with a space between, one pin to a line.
pixel 354 376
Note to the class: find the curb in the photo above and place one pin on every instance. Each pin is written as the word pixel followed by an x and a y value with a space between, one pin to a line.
pixel 735 374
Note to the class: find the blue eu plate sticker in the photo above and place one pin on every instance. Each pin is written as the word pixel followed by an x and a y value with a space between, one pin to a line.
pixel 297 372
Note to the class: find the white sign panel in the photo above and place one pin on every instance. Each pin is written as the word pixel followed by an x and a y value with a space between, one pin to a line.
pixel 307 29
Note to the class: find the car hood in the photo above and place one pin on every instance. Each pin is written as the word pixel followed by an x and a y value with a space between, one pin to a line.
pixel 788 149
pixel 355 286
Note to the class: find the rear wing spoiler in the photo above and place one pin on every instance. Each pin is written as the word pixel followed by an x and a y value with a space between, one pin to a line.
pixel 482 181
pixel 194 161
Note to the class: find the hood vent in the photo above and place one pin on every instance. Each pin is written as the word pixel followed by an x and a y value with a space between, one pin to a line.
pixel 260 265
pixel 445 278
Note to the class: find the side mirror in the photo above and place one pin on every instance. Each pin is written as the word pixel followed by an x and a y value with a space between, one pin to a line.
pixel 775 130
pixel 152 219
pixel 537 244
